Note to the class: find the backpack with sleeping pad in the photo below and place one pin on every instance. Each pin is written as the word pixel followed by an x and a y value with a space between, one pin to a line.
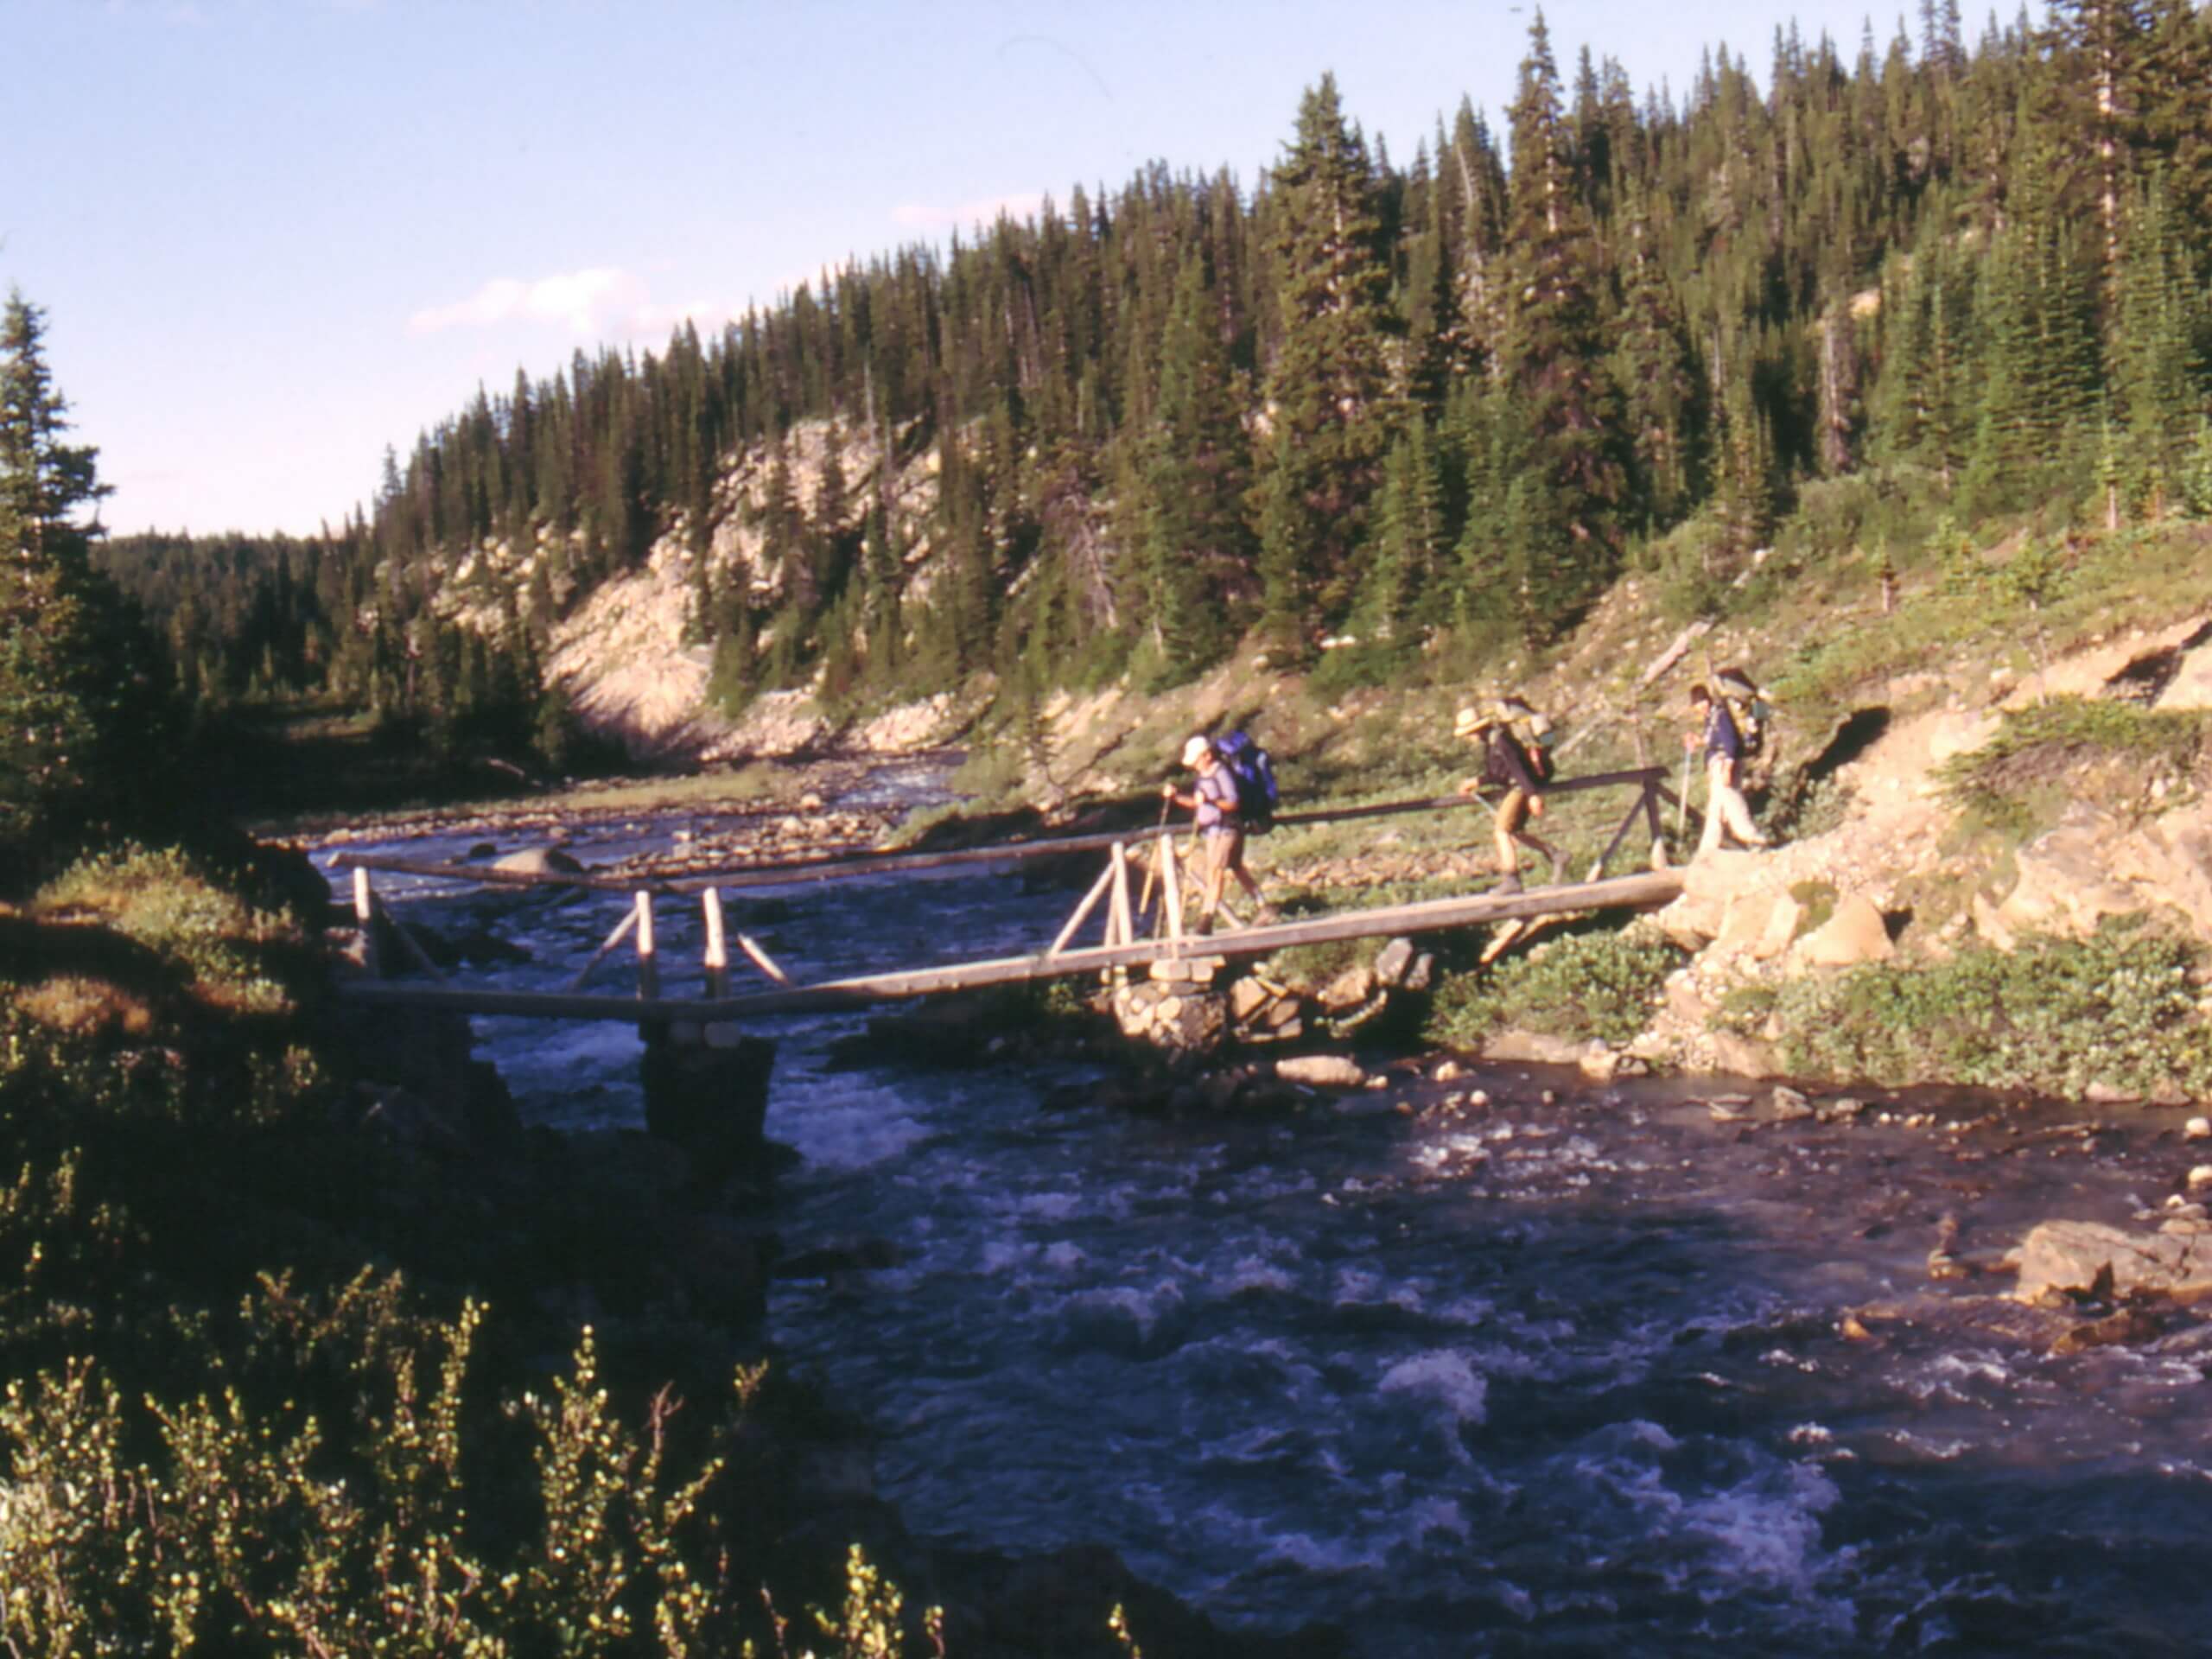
pixel 1748 708
pixel 1255 774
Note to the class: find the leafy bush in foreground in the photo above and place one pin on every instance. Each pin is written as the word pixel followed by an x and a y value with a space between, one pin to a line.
pixel 2119 1008
pixel 1584 986
pixel 339 1495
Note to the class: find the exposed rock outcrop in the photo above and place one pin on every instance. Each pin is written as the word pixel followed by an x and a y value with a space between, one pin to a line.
pixel 2082 1256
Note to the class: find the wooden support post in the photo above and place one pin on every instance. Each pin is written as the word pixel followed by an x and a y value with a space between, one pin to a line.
pixel 1082 911
pixel 1121 928
pixel 761 959
pixel 621 932
pixel 406 936
pixel 710 902
pixel 1651 793
pixel 648 963
pixel 1628 822
pixel 1171 889
pixel 364 918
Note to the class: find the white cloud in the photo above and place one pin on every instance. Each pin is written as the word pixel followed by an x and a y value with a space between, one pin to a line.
pixel 585 302
pixel 929 216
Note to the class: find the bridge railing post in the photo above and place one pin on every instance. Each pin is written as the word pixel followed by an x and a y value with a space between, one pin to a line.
pixel 648 962
pixel 364 918
pixel 1171 887
pixel 717 962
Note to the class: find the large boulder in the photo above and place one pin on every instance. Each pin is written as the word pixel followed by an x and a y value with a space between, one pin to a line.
pixel 1711 883
pixel 2091 866
pixel 2191 685
pixel 2059 1256
pixel 1856 933
pixel 539 861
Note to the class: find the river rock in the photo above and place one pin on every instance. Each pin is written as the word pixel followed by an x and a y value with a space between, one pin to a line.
pixel 539 861
pixel 1348 989
pixel 1321 1070
pixel 1247 997
pixel 1599 1062
pixel 2058 1256
pixel 2198 1128
pixel 1394 962
pixel 1535 1048
pixel 1740 1057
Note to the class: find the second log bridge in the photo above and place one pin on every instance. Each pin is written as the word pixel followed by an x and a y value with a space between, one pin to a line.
pixel 1122 947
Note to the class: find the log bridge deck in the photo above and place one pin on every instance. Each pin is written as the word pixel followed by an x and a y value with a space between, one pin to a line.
pixel 1122 946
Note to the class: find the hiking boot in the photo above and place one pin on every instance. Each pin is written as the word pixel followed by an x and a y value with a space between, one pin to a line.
pixel 1203 926
pixel 1508 884
pixel 1266 916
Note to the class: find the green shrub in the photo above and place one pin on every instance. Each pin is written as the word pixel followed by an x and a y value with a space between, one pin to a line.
pixel 2055 1016
pixel 1586 985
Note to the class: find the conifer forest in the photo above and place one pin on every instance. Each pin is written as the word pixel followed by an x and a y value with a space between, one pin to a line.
pixel 1443 399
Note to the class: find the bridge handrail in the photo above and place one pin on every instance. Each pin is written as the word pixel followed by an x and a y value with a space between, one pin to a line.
pixel 893 861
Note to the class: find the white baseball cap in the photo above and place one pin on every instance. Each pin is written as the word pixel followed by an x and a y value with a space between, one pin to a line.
pixel 1196 750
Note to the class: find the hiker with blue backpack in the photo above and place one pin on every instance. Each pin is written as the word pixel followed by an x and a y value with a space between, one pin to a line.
pixel 1234 795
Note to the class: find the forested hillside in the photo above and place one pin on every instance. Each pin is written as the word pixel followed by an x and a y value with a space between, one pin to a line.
pixel 1363 400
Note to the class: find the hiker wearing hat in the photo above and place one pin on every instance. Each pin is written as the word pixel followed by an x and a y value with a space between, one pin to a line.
pixel 1725 805
pixel 1508 764
pixel 1748 708
pixel 1220 826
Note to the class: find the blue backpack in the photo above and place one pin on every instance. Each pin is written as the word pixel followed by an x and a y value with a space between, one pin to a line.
pixel 1255 773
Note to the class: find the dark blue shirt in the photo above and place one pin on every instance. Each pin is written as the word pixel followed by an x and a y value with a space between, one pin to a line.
pixel 1721 736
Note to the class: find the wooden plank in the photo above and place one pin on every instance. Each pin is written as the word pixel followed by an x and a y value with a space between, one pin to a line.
pixel 1120 929
pixel 1644 890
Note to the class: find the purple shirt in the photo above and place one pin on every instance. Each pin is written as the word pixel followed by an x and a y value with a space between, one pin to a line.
pixel 1217 793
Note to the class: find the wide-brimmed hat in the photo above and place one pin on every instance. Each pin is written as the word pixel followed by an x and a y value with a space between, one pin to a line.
pixel 1514 707
pixel 1470 720
pixel 1196 749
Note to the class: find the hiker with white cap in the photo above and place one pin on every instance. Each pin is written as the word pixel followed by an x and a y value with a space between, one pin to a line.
pixel 1511 765
pixel 1213 800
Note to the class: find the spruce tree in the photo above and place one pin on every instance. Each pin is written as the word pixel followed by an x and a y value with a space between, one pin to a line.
pixel 1326 386
pixel 81 723
pixel 1553 357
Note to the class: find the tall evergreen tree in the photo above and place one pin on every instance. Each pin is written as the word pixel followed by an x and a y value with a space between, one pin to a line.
pixel 1552 356
pixel 1326 386
pixel 79 730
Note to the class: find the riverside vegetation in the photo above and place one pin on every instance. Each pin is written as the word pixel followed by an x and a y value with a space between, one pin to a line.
pixel 1919 336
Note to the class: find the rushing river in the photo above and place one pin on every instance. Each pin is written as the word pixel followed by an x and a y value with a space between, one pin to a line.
pixel 1558 1376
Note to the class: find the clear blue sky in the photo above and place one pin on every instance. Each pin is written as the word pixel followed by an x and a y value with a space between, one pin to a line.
pixel 274 236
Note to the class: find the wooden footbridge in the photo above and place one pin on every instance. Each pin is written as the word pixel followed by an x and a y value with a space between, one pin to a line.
pixel 1133 932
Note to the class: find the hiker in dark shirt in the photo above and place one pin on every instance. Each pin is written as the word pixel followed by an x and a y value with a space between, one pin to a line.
pixel 1510 767
pixel 1725 805
pixel 1221 830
